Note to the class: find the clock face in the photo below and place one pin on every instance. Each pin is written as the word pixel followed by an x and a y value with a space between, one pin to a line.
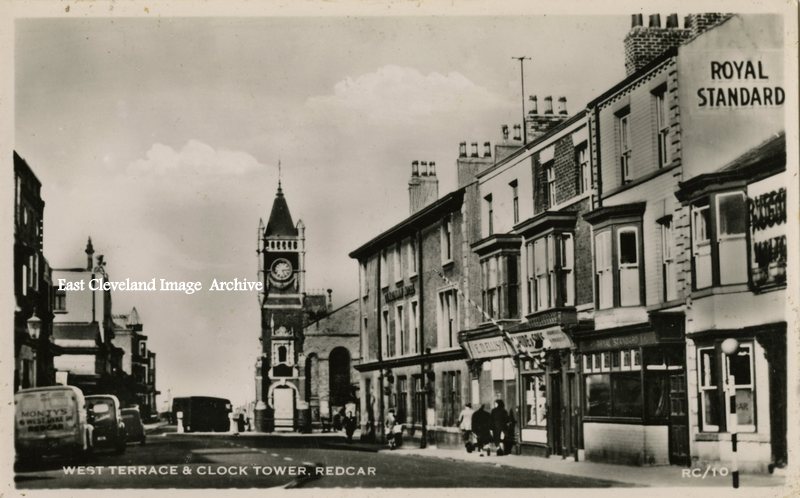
pixel 281 269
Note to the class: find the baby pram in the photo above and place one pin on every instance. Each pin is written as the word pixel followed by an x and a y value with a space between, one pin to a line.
pixel 395 436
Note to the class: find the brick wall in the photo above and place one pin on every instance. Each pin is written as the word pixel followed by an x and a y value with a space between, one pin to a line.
pixel 643 44
pixel 626 443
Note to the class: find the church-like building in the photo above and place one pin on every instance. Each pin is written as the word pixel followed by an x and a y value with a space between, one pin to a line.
pixel 287 382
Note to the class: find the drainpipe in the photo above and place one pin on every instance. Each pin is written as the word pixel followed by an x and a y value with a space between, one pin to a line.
pixel 424 439
pixel 381 435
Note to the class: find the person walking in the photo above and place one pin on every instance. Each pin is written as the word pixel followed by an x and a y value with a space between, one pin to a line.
pixel 465 424
pixel 350 426
pixel 388 426
pixel 481 426
pixel 499 425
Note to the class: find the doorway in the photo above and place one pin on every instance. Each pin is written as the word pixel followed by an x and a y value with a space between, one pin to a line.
pixel 283 401
pixel 678 419
pixel 555 415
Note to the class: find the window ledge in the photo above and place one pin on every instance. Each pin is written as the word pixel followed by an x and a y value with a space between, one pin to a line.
pixel 413 276
pixel 675 303
pixel 638 181
pixel 720 289
pixel 726 436
pixel 448 264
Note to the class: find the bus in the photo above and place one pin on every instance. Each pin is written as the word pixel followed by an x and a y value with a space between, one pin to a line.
pixel 202 413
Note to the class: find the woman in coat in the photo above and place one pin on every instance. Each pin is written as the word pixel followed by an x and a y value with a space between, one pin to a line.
pixel 499 425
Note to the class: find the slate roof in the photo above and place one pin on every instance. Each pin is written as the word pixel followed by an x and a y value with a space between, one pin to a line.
pixel 280 220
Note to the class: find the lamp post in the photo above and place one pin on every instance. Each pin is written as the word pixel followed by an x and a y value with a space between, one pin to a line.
pixel 730 347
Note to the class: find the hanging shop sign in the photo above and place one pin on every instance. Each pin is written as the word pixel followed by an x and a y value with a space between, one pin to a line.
pixel 491 347
pixel 767 207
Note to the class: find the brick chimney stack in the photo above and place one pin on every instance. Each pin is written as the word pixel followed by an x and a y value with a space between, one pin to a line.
pixel 468 166
pixel 423 187
pixel 538 124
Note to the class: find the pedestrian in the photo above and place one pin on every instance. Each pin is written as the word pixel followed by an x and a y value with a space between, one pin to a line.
pixel 465 424
pixel 388 426
pixel 481 426
pixel 511 425
pixel 350 426
pixel 499 425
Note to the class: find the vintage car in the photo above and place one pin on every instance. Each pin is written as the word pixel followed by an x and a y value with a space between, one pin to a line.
pixel 105 416
pixel 51 421
pixel 134 429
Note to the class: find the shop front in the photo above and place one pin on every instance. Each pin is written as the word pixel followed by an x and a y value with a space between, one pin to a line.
pixel 634 406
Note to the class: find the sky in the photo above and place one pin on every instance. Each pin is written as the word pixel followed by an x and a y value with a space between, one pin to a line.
pixel 160 139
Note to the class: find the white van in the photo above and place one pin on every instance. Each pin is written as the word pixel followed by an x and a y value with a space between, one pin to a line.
pixel 51 421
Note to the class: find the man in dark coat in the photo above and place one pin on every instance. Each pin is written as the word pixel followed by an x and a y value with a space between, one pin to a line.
pixel 481 426
pixel 499 424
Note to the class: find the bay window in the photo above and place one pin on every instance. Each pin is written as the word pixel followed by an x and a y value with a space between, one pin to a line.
pixel 719 240
pixel 551 278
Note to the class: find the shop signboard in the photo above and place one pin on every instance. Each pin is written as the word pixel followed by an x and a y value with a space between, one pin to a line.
pixel 766 201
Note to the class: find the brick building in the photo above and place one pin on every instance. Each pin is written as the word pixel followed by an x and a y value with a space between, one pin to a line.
pixel 415 280
pixel 33 315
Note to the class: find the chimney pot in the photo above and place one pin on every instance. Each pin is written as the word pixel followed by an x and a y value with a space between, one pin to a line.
pixel 562 106
pixel 517 132
pixel 534 104
pixel 462 149
pixel 487 149
pixel 548 105
pixel 505 132
pixel 432 168
pixel 414 168
pixel 474 149
pixel 423 168
pixel 672 21
pixel 687 22
pixel 655 20
pixel 636 20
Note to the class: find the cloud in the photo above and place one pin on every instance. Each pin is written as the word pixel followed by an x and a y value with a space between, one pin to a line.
pixel 195 158
pixel 402 95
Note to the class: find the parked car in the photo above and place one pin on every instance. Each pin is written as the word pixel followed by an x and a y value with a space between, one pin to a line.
pixel 134 428
pixel 203 413
pixel 105 416
pixel 51 421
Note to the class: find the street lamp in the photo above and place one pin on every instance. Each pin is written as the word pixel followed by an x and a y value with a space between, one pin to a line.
pixel 730 347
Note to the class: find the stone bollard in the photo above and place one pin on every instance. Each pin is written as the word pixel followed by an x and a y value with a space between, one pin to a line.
pixel 179 416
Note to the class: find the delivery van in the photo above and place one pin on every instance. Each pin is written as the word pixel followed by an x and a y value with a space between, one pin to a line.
pixel 105 416
pixel 51 421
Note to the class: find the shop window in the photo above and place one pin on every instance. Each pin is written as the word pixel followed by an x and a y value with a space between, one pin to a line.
pixel 669 265
pixel 717 371
pixel 628 264
pixel 447 311
pixel 611 389
pixel 451 397
pixel 535 401
pixel 504 382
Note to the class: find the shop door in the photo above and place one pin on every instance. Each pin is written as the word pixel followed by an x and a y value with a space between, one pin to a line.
pixel 283 398
pixel 678 419
pixel 573 411
pixel 555 415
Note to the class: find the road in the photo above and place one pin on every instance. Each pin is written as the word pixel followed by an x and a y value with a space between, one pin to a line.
pixel 202 461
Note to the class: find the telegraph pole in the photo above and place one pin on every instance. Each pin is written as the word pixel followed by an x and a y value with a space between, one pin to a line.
pixel 522 80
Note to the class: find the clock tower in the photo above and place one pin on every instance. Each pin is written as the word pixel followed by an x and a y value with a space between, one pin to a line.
pixel 282 269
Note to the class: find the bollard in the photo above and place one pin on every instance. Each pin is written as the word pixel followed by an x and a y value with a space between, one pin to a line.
pixel 179 415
